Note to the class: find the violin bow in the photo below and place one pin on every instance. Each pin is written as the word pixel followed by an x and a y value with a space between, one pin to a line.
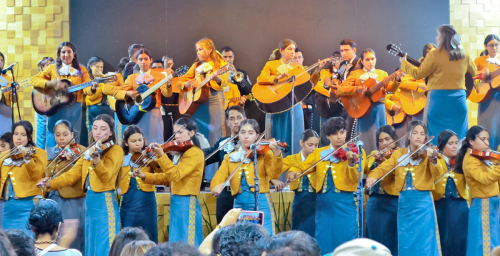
pixel 397 165
pixel 221 146
pixel 226 183
pixel 60 152
pixel 385 148
pixel 7 153
pixel 308 169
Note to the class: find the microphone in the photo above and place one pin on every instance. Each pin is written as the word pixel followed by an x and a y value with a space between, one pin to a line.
pixel 359 144
pixel 9 68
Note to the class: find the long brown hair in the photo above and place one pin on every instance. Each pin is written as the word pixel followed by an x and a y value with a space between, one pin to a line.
pixel 208 44
pixel 111 123
pixel 276 55
pixel 74 63
pixel 451 42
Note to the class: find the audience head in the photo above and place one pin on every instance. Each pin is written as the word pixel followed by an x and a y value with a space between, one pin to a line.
pixel 22 243
pixel 347 49
pixel 290 243
pixel 126 235
pixel 232 237
pixel 137 248
pixel 361 247
pixel 45 218
pixel 5 245
pixel 495 251
pixel 173 249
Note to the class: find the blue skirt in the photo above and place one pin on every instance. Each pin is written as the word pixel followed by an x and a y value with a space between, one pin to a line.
pixel 119 130
pixel 139 209
pixel 452 215
pixel 369 124
pixel 382 220
pixel 304 209
pixel 417 226
pixel 489 117
pixel 71 113
pixel 279 127
pixel 102 222
pixel 5 119
pixel 211 118
pixel 446 109
pixel 73 208
pixel 185 220
pixel 484 228
pixel 151 125
pixel 246 201
pixel 335 219
pixel 14 213
pixel 41 130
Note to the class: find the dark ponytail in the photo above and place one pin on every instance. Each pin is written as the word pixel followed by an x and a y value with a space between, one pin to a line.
pixel 309 133
pixel 251 122
pixel 386 129
pixel 190 126
pixel 470 135
pixel 94 60
pixel 131 129
pixel 443 138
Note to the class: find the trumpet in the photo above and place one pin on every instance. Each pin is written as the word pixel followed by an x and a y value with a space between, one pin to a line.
pixel 237 75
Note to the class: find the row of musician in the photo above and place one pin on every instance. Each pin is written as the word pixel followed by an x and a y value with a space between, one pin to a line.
pixel 423 200
pixel 343 85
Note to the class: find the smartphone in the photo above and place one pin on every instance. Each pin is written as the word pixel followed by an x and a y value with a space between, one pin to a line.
pixel 256 217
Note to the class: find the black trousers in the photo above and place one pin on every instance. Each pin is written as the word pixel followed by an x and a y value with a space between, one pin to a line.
pixel 225 203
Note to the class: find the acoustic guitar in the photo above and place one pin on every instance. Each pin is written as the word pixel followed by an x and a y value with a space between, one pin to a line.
pixel 190 100
pixel 24 83
pixel 130 112
pixel 249 97
pixel 360 104
pixel 484 89
pixel 394 118
pixel 277 97
pixel 48 101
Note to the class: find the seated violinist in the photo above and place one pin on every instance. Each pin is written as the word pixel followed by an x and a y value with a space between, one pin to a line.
pixel 336 180
pixel 238 167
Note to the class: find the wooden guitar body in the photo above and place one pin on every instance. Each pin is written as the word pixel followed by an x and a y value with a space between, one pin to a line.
pixel 483 91
pixel 412 102
pixel 48 101
pixel 360 104
pixel 189 101
pixel 394 118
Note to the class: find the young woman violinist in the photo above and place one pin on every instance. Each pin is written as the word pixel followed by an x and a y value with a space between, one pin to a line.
pixel 138 201
pixel 382 205
pixel 450 198
pixel 20 170
pixel 268 167
pixel 336 180
pixel 445 69
pixel 304 201
pixel 489 111
pixel 185 173
pixel 41 120
pixel 372 121
pixel 482 177
pixel 97 170
pixel 71 199
pixel 5 99
pixel 417 224
pixel 66 67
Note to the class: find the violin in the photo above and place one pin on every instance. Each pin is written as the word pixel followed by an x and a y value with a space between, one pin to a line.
pixel 101 148
pixel 17 154
pixel 435 153
pixel 384 155
pixel 342 153
pixel 174 146
pixel 486 155
pixel 264 147
pixel 73 150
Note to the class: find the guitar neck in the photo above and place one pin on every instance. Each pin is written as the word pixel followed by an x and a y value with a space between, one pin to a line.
pixel 207 79
pixel 413 61
pixel 76 88
pixel 155 87
pixel 384 82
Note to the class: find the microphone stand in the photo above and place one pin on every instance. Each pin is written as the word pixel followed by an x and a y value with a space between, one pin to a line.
pixel 13 88
pixel 359 192
pixel 293 113
pixel 253 147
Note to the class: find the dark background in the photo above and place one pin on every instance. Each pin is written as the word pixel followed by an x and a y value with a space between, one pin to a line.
pixel 253 28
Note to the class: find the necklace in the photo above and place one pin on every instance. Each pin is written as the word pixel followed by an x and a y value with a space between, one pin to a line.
pixel 45 242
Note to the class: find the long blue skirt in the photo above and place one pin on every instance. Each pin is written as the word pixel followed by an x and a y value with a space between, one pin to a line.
pixel 5 119
pixel 484 228
pixel 335 218
pixel 304 209
pixel 71 113
pixel 489 117
pixel 369 124
pixel 151 125
pixel 139 209
pixel 382 220
pixel 14 213
pixel 41 130
pixel 119 130
pixel 72 208
pixel 446 109
pixel 185 220
pixel 417 226
pixel 102 222
pixel 453 216
pixel 93 111
pixel 246 201
pixel 279 127
pixel 210 117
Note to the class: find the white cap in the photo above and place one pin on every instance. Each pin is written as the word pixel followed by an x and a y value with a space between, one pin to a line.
pixel 362 247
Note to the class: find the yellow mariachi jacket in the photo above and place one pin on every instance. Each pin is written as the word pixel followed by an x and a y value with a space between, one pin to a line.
pixel 25 175
pixel 268 168
pixel 125 182
pixel 482 62
pixel 7 96
pixel 50 73
pixel 185 177
pixel 294 161
pixel 344 176
pixel 423 174
pixel 458 179
pixel 388 184
pixel 191 74
pixel 481 178
pixel 269 72
pixel 102 177
pixel 348 87
pixel 94 98
pixel 74 191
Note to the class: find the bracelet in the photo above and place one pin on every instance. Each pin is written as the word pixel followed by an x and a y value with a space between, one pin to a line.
pixel 218 226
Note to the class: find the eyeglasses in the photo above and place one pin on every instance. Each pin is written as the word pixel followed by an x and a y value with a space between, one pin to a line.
pixel 492 45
